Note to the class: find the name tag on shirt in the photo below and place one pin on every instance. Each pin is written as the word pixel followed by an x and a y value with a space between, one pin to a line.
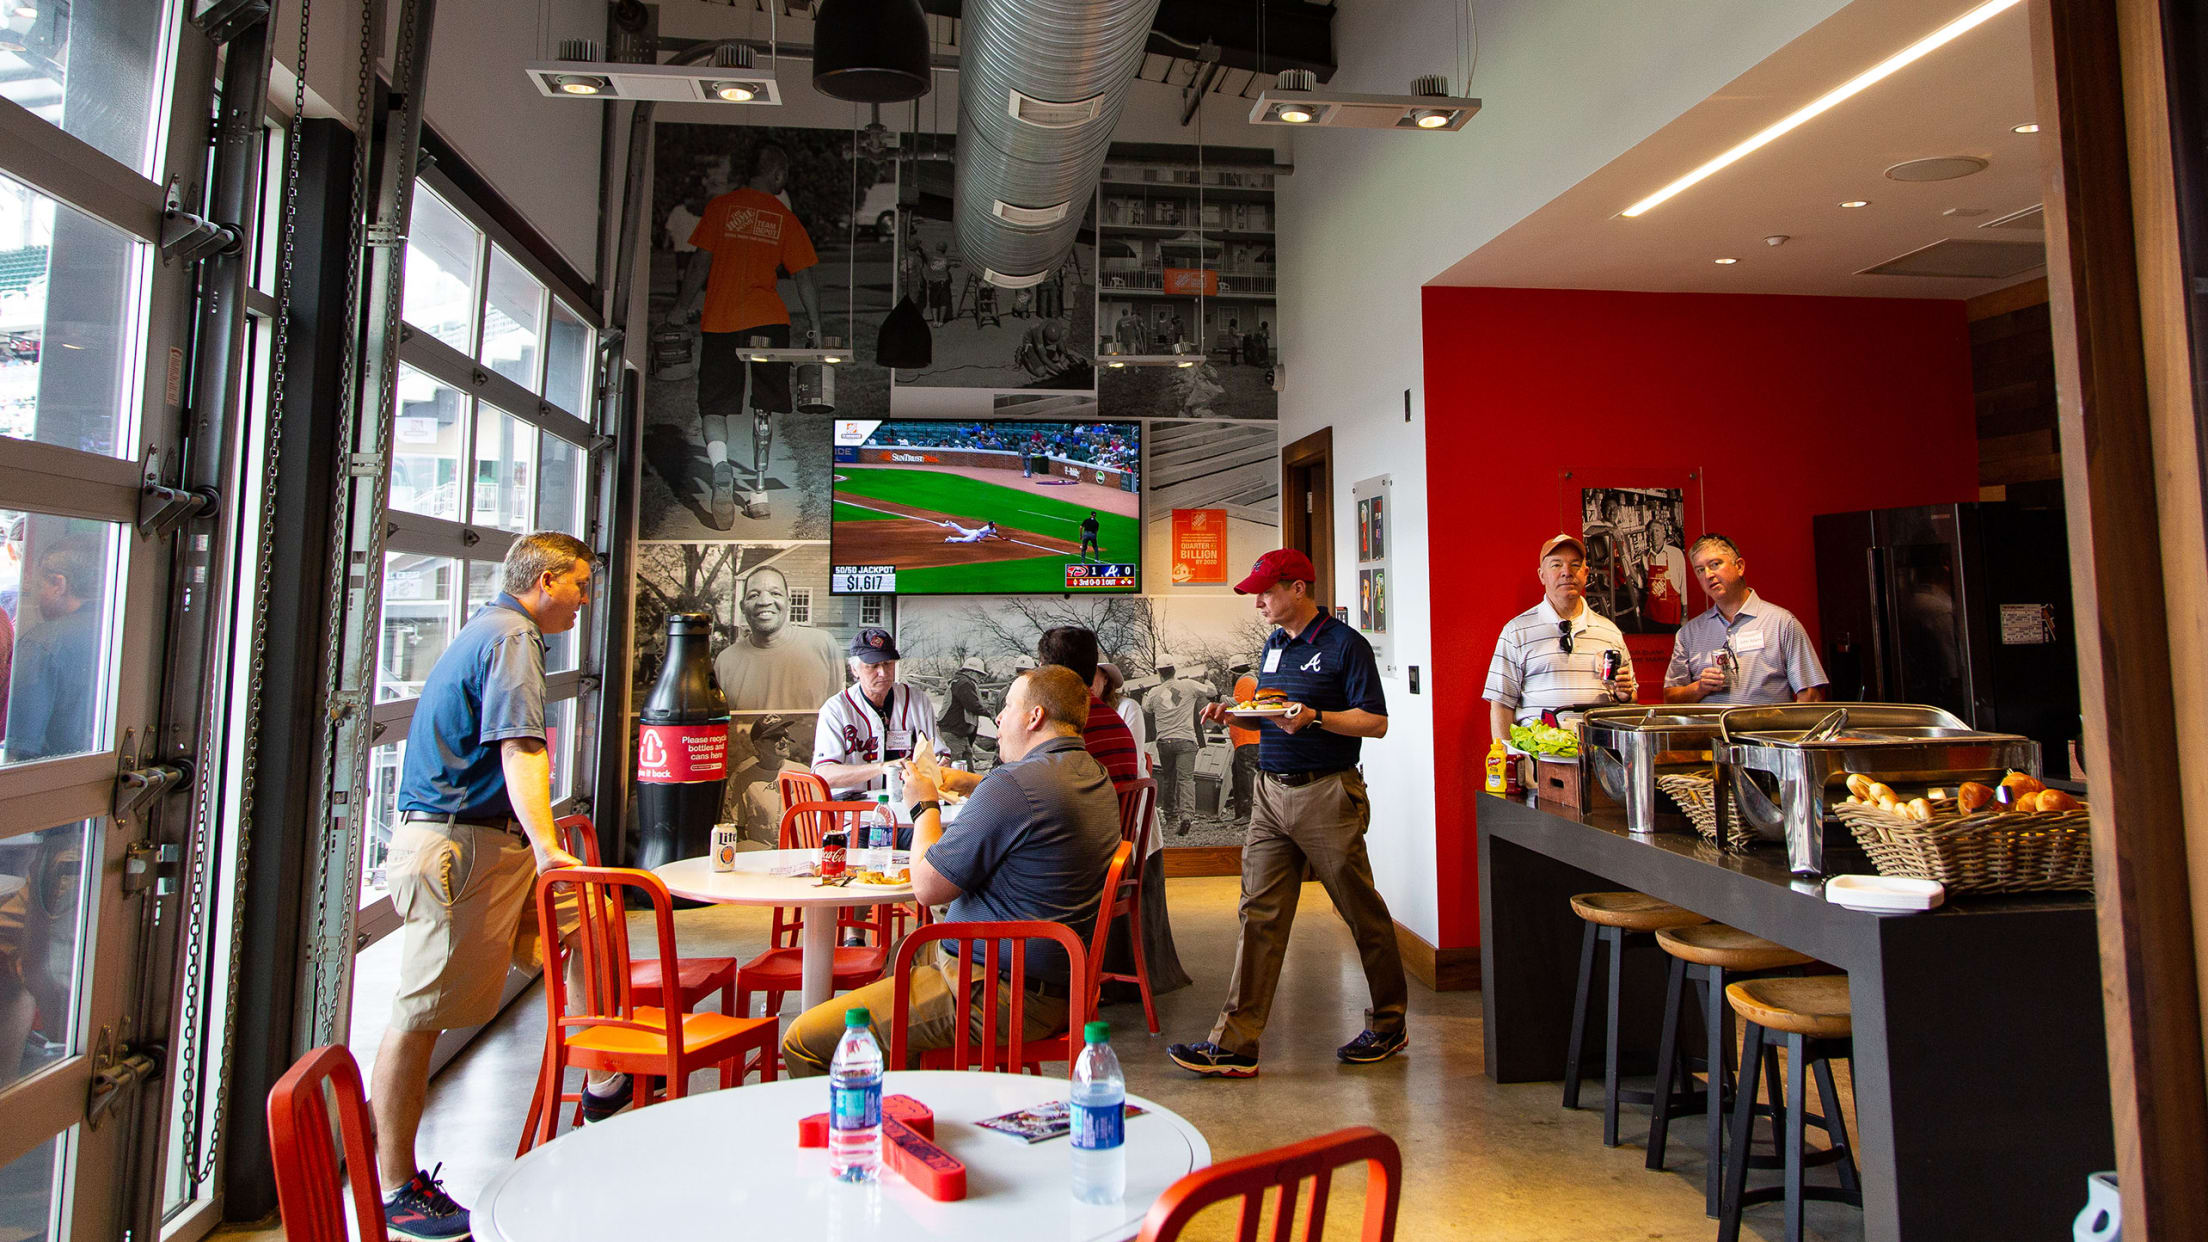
pixel 1272 660
pixel 898 743
pixel 1745 643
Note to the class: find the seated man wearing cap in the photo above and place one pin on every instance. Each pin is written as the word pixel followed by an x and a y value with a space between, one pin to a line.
pixel 1551 655
pixel 1032 843
pixel 871 725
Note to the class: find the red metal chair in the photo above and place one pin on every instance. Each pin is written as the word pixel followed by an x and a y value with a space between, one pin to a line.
pixel 796 787
pixel 607 1029
pixel 1014 1049
pixel 696 977
pixel 310 1188
pixel 779 970
pixel 1137 821
pixel 1285 1168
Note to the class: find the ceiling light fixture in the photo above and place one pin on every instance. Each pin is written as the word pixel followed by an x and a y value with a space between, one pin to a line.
pixel 1830 99
pixel 1295 99
pixel 734 92
pixel 579 83
pixel 870 51
pixel 1857 202
pixel 1725 262
pixel 2031 128
pixel 730 78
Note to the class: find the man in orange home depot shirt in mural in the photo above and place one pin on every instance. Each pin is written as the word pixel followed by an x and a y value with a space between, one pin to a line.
pixel 1664 572
pixel 749 236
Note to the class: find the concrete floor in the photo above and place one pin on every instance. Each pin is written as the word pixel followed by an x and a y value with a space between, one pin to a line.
pixel 1481 1161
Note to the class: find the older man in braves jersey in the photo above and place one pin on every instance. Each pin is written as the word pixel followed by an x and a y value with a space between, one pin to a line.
pixel 1310 808
pixel 871 725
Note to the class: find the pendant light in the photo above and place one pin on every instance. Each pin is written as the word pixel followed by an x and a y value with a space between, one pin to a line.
pixel 870 51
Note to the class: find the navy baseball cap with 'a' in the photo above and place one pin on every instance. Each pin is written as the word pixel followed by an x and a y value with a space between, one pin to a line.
pixel 1278 565
pixel 874 646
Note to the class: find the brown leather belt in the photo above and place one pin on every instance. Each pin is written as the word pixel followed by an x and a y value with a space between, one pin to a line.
pixel 501 825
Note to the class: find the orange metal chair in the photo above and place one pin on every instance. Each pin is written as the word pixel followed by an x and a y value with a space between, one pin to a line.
pixel 1284 1169
pixel 1137 821
pixel 607 1029
pixel 310 1188
pixel 992 1054
pixel 696 977
pixel 796 787
pixel 778 971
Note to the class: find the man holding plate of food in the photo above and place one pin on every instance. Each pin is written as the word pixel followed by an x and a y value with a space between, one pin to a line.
pixel 1318 697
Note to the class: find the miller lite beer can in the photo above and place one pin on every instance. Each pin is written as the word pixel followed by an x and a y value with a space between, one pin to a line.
pixel 725 837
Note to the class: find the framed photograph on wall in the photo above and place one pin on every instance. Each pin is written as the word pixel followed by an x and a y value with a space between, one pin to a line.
pixel 1636 524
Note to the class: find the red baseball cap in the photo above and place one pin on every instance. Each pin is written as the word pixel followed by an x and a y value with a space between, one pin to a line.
pixel 1278 565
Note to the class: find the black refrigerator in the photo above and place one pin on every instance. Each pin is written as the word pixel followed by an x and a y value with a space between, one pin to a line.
pixel 1964 606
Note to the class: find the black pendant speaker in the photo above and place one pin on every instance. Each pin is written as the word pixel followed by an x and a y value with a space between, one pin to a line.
pixel 870 51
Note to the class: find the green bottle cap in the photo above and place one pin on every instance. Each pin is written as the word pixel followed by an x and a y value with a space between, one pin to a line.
pixel 856 1015
pixel 1097 1032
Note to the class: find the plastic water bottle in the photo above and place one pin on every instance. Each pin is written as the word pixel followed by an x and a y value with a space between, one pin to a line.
pixel 880 840
pixel 1099 1117
pixel 855 1101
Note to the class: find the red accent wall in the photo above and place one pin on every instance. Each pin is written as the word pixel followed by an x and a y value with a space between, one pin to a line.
pixel 1787 406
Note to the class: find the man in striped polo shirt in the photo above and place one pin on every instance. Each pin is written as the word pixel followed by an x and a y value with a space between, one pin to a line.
pixel 1551 655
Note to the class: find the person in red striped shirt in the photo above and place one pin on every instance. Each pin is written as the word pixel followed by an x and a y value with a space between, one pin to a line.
pixel 1106 735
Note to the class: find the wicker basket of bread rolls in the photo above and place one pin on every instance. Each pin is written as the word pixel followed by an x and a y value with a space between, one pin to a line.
pixel 1697 796
pixel 1970 842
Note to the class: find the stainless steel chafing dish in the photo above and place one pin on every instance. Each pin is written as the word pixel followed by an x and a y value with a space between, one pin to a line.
pixel 1786 765
pixel 1623 747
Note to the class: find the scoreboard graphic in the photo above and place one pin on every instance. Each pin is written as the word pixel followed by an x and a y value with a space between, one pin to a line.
pixel 1100 577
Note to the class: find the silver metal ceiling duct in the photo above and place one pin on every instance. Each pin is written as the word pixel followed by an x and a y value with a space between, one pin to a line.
pixel 1040 91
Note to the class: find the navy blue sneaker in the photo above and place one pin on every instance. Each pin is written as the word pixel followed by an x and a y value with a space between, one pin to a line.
pixel 600 1103
pixel 1212 1061
pixel 1373 1046
pixel 421 1211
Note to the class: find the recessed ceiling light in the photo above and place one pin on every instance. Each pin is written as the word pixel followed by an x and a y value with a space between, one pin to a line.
pixel 1724 262
pixel 579 83
pixel 734 92
pixel 1830 99
pixel 1857 202
pixel 1295 115
pixel 1430 118
pixel 2026 129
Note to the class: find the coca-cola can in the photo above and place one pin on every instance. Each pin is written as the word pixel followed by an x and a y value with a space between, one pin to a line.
pixel 1610 664
pixel 725 837
pixel 832 846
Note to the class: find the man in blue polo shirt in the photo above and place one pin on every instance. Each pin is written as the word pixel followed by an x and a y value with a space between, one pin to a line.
pixel 475 801
pixel 1310 808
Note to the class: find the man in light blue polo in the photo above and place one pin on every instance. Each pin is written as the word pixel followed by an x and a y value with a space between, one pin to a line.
pixel 1742 649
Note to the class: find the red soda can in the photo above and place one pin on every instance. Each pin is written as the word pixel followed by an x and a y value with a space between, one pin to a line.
pixel 831 852
pixel 1610 664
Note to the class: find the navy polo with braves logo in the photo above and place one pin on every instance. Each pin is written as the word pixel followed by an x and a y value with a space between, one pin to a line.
pixel 1328 666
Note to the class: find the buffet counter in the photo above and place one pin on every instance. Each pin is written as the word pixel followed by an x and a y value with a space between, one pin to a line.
pixel 1980 1070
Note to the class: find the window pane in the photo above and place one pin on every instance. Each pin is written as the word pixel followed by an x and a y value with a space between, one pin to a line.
pixel 425 456
pixel 513 322
pixel 568 346
pixel 560 486
pixel 88 66
pixel 28 1189
pixel 505 457
pixel 559 738
pixel 41 951
pixel 384 763
pixel 418 599
pixel 441 252
pixel 57 576
pixel 68 307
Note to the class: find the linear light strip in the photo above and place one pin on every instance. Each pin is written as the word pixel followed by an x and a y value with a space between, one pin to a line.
pixel 1831 99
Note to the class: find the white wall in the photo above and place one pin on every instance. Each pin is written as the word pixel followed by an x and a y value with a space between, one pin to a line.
pixel 541 154
pixel 1370 217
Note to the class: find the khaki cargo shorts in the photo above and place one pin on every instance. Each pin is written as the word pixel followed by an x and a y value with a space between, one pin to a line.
pixel 468 898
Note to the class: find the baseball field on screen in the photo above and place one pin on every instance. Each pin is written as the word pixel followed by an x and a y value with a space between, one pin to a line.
pixel 894 515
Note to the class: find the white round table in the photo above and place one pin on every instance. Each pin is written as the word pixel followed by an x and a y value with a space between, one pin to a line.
pixel 753 883
pixel 727 1162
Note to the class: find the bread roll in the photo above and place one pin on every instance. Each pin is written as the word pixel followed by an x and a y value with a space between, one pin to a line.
pixel 1859 784
pixel 2057 800
pixel 1919 809
pixel 1973 796
pixel 2021 783
pixel 1879 793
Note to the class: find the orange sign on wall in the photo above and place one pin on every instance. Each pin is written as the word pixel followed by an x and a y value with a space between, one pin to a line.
pixel 1191 281
pixel 1199 546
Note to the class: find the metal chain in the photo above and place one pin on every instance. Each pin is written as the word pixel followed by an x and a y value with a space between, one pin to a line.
pixel 197 1168
pixel 324 989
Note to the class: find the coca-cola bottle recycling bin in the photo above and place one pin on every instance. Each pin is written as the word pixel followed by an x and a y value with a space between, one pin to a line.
pixel 681 749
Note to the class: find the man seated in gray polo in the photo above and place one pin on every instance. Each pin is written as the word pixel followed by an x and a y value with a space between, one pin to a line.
pixel 1032 842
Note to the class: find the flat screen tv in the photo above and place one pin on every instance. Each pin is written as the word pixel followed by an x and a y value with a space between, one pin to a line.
pixel 1002 507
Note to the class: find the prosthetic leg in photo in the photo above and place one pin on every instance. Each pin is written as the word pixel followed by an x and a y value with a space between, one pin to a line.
pixel 730 387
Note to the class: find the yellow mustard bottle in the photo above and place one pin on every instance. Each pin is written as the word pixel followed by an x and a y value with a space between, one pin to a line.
pixel 1498 768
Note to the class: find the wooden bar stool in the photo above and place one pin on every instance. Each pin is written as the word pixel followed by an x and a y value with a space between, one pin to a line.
pixel 1814 1017
pixel 1713 955
pixel 1616 920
